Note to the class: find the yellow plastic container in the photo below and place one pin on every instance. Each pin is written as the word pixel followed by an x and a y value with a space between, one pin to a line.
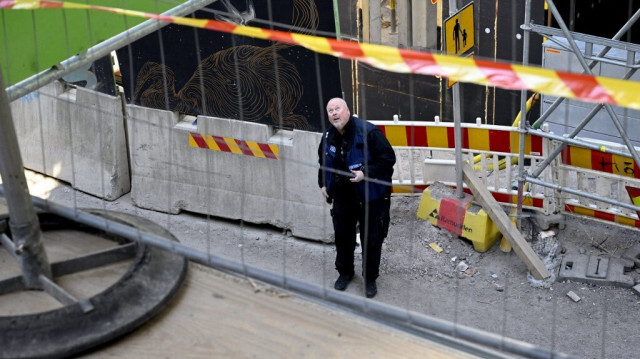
pixel 476 225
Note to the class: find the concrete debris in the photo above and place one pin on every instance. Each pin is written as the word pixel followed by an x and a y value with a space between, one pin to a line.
pixel 633 254
pixel 462 266
pixel 573 296
pixel 470 272
pixel 498 287
pixel 256 288
pixel 435 247
pixel 547 234
pixel 546 246
pixel 636 289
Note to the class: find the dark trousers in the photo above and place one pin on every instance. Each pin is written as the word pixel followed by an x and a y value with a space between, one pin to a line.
pixel 372 220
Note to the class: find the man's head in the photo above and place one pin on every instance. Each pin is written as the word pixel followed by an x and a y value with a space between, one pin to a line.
pixel 338 112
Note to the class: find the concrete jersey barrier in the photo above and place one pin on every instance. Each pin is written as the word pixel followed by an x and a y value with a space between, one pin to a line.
pixel 171 173
pixel 75 135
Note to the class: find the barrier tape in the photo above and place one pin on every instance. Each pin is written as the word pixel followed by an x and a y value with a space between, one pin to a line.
pixel 464 69
pixel 600 161
pixel 491 140
pixel 233 145
pixel 602 215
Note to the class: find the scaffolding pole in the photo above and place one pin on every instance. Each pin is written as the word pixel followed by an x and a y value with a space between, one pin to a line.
pixel 547 161
pixel 523 111
pixel 457 119
pixel 602 53
pixel 608 43
pixel 27 244
pixel 583 63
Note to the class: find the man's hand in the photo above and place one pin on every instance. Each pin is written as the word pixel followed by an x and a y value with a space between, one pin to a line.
pixel 324 192
pixel 359 176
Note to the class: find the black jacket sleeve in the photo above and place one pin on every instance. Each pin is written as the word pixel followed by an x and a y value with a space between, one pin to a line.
pixel 382 155
pixel 321 162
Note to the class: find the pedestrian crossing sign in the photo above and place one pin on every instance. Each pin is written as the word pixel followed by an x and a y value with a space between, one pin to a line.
pixel 459 31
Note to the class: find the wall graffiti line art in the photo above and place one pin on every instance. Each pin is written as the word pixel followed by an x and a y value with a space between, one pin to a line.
pixel 246 82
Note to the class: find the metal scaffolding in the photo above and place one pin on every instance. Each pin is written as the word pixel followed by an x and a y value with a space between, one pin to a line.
pixel 630 64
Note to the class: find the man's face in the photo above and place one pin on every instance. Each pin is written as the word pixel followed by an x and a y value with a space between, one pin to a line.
pixel 338 114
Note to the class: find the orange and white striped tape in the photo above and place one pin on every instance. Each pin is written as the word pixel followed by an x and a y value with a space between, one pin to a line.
pixel 464 69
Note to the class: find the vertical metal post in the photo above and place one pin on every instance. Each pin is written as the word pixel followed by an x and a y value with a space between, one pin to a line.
pixel 23 222
pixel 457 118
pixel 405 22
pixel 394 24
pixel 375 22
pixel 523 110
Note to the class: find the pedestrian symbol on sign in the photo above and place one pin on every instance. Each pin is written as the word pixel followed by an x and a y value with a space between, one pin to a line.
pixel 459 31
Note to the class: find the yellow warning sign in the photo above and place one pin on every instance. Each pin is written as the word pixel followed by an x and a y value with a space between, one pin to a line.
pixel 459 31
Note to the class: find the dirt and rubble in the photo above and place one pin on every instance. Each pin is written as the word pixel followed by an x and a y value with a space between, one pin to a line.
pixel 492 291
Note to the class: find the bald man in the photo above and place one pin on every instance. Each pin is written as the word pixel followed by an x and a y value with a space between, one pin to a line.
pixel 356 165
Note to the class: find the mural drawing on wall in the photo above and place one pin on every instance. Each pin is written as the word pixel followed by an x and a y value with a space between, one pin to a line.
pixel 237 77
pixel 97 76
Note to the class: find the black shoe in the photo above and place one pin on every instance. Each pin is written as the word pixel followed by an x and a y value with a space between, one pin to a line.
pixel 343 281
pixel 371 289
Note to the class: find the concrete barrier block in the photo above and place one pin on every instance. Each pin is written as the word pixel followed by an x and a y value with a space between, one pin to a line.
pixel 439 170
pixel 600 270
pixel 234 129
pixel 169 174
pixel 75 135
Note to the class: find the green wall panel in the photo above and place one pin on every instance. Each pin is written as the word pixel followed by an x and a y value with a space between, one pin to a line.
pixel 34 40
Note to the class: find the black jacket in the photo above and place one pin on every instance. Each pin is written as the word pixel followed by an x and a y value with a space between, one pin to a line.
pixel 379 158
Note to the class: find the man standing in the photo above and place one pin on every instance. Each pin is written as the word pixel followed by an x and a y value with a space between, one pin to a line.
pixel 356 164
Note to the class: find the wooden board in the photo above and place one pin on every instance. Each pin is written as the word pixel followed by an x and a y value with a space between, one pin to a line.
pixel 504 224
pixel 218 315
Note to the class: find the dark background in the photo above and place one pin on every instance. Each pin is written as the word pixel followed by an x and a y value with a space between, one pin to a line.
pixel 181 46
pixel 379 94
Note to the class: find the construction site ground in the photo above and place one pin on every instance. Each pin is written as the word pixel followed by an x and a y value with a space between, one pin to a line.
pixel 494 293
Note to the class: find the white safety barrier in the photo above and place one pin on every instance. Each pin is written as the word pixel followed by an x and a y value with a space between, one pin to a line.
pixel 426 154
pixel 171 172
pixel 605 176
pixel 75 135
